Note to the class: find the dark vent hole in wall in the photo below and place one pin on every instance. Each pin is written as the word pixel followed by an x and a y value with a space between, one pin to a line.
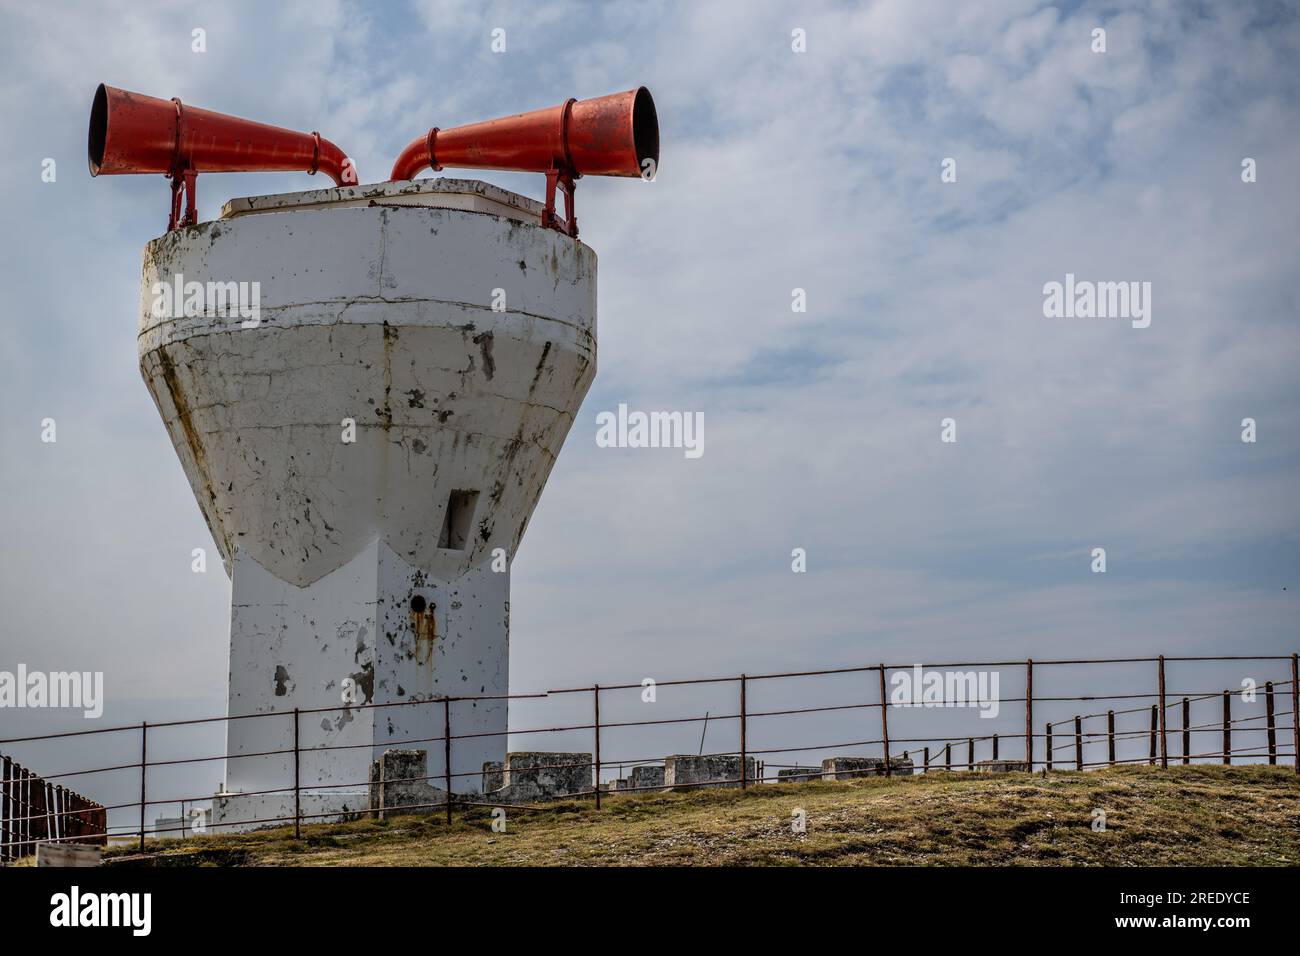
pixel 458 521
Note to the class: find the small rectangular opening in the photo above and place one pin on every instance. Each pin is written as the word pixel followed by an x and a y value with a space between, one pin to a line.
pixel 458 521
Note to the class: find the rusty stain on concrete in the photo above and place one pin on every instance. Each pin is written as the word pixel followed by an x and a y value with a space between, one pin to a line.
pixel 424 624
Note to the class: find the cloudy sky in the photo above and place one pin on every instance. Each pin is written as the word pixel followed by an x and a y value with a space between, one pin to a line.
pixel 781 170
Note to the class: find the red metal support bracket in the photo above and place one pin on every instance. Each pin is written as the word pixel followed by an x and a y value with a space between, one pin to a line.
pixel 562 180
pixel 182 174
pixel 183 182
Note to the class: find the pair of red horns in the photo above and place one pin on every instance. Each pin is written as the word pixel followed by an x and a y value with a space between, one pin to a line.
pixel 615 135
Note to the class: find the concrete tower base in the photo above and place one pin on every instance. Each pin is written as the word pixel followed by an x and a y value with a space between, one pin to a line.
pixel 376 631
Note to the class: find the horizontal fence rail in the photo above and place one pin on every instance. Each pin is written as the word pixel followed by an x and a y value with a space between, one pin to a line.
pixel 1157 727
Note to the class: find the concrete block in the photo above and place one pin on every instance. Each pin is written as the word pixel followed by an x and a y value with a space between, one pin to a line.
pixel 651 776
pixel 1001 766
pixel 170 828
pixel 798 774
pixel 493 773
pixel 66 854
pixel 846 768
pixel 542 775
pixel 401 783
pixel 902 766
pixel 690 772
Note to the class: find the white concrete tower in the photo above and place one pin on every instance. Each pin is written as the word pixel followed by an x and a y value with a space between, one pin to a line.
pixel 460 337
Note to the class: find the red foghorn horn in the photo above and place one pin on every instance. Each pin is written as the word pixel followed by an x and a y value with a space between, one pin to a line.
pixel 134 133
pixel 615 135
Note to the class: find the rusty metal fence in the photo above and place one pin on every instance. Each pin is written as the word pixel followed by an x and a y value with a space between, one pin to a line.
pixel 1148 732
pixel 33 810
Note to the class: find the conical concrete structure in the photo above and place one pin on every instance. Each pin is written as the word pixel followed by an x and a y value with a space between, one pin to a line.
pixel 367 440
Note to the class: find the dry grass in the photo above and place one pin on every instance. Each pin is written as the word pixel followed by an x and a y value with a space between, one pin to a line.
pixel 1203 815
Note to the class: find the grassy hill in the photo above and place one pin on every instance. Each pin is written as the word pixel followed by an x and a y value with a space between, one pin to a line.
pixel 1204 815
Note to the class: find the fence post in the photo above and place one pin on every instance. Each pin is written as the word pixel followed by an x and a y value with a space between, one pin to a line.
pixel 947 756
pixel 33 795
pixel 11 819
pixel 1164 743
pixel 6 810
pixel 144 766
pixel 446 753
pixel 101 824
pixel 40 810
pixel 1155 720
pixel 17 776
pixel 744 775
pixel 297 776
pixel 1110 736
pixel 926 760
pixel 33 802
pixel 970 754
pixel 16 801
pixel 595 698
pixel 12 822
pixel 1295 714
pixel 1029 715
pixel 884 719
pixel 1227 727
pixel 995 746
pixel 24 813
pixel 1272 728
pixel 1048 725
pixel 47 805
pixel 1187 730
pixel 1078 742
